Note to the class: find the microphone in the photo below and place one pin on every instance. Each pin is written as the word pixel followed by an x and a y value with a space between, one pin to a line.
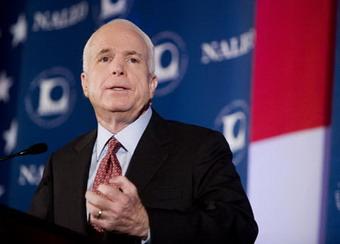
pixel 34 149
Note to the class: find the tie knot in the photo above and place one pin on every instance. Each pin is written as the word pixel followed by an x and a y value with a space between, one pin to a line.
pixel 113 145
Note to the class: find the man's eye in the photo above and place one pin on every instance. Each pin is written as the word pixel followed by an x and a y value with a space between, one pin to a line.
pixel 133 60
pixel 104 59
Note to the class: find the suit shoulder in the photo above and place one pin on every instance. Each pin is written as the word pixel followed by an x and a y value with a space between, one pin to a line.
pixel 196 138
pixel 191 130
pixel 78 142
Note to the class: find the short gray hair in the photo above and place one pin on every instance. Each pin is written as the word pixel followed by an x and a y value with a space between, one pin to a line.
pixel 146 38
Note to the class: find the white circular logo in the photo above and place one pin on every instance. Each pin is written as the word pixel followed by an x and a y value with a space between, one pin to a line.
pixel 51 97
pixel 108 9
pixel 171 60
pixel 233 122
pixel 337 196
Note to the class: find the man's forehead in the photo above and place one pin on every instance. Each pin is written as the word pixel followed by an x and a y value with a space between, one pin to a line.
pixel 115 31
pixel 112 40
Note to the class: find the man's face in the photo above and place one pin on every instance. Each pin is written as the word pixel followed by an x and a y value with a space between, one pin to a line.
pixel 117 79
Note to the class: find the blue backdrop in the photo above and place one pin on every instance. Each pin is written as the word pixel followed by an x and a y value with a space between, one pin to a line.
pixel 203 54
pixel 332 233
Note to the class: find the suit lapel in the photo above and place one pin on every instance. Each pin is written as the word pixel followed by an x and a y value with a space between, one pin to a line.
pixel 80 170
pixel 151 152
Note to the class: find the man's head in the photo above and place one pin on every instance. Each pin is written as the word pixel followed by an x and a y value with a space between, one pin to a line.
pixel 118 71
pixel 151 62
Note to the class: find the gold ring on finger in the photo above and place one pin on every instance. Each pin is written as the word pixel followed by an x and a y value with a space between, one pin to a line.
pixel 99 214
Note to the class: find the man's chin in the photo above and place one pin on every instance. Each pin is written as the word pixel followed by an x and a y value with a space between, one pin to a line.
pixel 119 107
pixel 120 110
pixel 129 112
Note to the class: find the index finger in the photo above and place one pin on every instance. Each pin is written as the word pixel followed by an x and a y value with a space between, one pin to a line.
pixel 111 192
pixel 124 184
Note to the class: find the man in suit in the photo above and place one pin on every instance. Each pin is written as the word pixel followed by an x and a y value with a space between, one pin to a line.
pixel 139 178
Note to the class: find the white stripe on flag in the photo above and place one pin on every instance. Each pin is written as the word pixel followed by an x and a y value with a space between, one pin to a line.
pixel 285 184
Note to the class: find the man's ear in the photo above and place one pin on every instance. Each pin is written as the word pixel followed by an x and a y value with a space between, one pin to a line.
pixel 153 85
pixel 84 83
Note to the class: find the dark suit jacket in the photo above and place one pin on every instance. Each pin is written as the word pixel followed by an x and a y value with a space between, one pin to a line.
pixel 184 176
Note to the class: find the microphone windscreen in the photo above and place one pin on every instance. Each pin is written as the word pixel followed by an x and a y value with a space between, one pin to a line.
pixel 37 148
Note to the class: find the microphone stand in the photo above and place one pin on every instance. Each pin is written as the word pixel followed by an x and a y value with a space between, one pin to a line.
pixel 34 149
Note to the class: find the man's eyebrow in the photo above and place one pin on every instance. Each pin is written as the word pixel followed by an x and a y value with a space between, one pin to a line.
pixel 132 52
pixel 103 51
pixel 125 53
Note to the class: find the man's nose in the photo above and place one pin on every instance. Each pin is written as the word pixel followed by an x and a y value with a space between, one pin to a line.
pixel 117 68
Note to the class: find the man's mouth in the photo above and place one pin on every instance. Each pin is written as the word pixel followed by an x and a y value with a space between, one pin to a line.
pixel 118 88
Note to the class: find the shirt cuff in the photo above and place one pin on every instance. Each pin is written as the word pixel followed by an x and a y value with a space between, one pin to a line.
pixel 148 239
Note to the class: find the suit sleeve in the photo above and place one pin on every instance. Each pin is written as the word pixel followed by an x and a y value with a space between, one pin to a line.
pixel 41 205
pixel 221 212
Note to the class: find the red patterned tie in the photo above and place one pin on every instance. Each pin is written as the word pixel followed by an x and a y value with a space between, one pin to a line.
pixel 108 168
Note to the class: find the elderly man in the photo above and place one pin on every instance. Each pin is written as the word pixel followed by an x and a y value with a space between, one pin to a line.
pixel 139 178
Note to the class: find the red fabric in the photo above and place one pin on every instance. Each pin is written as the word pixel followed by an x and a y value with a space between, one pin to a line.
pixel 293 66
pixel 108 168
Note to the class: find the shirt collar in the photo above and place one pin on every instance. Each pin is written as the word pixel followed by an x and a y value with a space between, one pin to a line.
pixel 128 137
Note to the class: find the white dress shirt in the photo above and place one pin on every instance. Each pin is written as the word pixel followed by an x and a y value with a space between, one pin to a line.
pixel 128 138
